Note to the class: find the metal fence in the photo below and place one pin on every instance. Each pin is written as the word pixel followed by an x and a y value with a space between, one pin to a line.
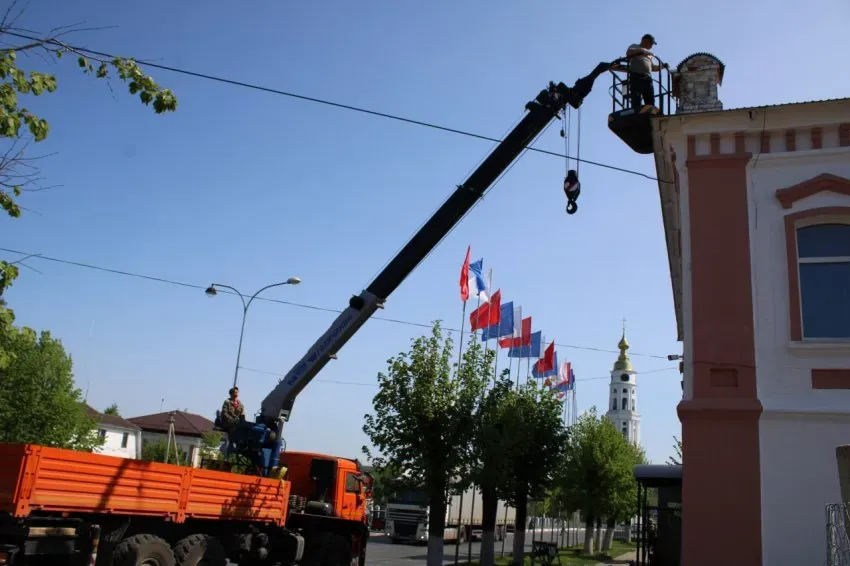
pixel 837 535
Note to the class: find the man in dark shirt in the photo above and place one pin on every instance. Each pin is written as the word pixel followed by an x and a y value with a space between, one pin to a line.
pixel 640 72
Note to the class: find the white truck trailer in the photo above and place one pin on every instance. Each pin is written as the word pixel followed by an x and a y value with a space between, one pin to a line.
pixel 408 517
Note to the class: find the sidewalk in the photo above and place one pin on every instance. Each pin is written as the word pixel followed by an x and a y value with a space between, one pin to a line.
pixel 623 559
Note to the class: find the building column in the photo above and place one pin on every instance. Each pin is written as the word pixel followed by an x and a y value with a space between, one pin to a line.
pixel 721 491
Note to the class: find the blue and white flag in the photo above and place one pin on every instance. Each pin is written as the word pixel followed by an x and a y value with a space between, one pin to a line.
pixel 478 287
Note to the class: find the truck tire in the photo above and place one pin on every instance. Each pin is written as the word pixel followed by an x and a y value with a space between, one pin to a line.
pixel 199 550
pixel 143 550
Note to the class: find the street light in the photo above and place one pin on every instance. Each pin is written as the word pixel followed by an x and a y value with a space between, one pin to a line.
pixel 211 291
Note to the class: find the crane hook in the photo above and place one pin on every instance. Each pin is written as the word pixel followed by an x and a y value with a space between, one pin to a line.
pixel 572 188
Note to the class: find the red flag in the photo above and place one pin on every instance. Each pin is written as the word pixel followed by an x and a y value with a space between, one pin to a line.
pixel 487 314
pixel 464 277
pixel 547 362
pixel 524 339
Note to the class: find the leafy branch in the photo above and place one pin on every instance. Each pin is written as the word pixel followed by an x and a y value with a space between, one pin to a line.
pixel 17 172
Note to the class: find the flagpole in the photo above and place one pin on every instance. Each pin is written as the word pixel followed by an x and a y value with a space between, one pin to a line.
pixel 472 510
pixel 518 365
pixel 460 348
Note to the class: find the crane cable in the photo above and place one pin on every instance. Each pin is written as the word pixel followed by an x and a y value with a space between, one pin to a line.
pixel 566 134
pixel 578 141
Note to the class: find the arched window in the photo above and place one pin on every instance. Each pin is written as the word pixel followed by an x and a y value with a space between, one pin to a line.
pixel 823 257
pixel 625 404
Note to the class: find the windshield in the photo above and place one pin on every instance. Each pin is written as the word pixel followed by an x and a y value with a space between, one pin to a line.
pixel 410 497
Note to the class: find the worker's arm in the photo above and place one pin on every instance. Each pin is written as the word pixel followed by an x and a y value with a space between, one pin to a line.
pixel 632 51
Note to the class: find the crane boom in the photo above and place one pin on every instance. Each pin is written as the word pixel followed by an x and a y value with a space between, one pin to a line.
pixel 277 406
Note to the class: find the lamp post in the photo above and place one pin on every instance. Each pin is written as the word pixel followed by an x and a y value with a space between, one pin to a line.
pixel 212 292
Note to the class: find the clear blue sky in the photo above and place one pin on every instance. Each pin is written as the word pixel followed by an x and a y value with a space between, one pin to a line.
pixel 247 188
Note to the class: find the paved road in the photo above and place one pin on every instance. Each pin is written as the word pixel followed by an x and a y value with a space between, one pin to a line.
pixel 381 552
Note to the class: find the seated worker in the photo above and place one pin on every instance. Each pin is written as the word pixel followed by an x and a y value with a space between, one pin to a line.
pixel 232 411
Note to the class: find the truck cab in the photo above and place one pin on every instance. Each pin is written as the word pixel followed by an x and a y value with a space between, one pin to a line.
pixel 328 486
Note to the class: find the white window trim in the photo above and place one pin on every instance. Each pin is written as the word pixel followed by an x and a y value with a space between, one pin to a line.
pixel 817 346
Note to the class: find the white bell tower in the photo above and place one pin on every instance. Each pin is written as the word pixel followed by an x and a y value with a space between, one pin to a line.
pixel 622 397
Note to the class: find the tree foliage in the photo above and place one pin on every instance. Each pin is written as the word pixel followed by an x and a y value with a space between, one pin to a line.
pixel 537 438
pixel 597 474
pixel 492 446
pixel 211 444
pixel 112 410
pixel 423 419
pixel 677 459
pixel 39 403
pixel 156 450
pixel 19 125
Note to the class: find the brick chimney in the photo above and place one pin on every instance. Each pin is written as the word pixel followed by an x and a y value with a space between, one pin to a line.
pixel 695 83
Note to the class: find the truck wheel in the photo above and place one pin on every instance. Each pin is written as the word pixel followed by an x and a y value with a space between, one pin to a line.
pixel 199 550
pixel 143 550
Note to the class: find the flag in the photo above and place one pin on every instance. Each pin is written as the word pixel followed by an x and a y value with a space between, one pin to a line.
pixel 547 362
pixel 464 277
pixel 537 366
pixel 487 314
pixel 478 287
pixel 517 331
pixel 554 369
pixel 505 327
pixel 566 379
pixel 547 365
pixel 521 336
pixel 532 350
pixel 564 373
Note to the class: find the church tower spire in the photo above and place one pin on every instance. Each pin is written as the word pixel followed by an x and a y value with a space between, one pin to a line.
pixel 622 403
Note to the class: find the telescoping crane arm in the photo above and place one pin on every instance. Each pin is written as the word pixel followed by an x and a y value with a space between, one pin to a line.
pixel 277 405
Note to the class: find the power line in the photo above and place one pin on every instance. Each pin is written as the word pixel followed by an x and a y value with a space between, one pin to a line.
pixel 330 103
pixel 271 300
pixel 365 384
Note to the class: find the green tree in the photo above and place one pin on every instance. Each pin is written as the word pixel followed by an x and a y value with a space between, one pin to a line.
pixel 112 410
pixel 211 443
pixel 423 417
pixel 39 403
pixel 492 447
pixel 155 450
pixel 677 459
pixel 597 474
pixel 42 359
pixel 622 503
pixel 536 438
pixel 385 481
pixel 18 173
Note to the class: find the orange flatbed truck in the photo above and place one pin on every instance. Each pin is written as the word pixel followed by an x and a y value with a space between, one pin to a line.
pixel 62 507
pixel 68 506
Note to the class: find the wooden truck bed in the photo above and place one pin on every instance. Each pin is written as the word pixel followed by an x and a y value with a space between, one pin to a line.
pixel 40 479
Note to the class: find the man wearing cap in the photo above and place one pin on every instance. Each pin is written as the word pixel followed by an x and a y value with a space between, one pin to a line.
pixel 640 72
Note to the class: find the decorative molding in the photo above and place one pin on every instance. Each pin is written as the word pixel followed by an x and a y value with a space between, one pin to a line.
pixel 830 378
pixel 825 182
pixel 819 349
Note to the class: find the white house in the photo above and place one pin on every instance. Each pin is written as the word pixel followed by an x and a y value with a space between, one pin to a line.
pixel 188 430
pixel 123 438
pixel 756 211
